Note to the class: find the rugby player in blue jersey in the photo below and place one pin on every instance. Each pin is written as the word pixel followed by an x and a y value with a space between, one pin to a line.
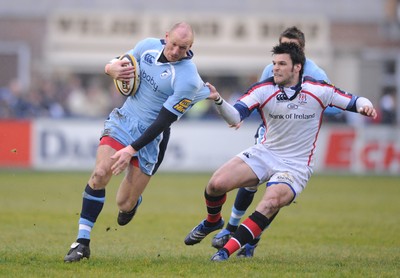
pixel 136 135
pixel 291 106
pixel 245 196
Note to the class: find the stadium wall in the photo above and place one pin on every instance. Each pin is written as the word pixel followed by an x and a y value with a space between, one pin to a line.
pixel 195 146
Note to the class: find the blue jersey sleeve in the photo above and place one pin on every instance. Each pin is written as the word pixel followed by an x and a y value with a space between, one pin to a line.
pixel 188 89
pixel 243 110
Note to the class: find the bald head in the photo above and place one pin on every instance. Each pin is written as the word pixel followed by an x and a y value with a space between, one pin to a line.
pixel 184 31
pixel 178 40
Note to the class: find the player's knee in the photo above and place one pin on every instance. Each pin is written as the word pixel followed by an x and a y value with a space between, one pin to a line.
pixel 99 178
pixel 216 186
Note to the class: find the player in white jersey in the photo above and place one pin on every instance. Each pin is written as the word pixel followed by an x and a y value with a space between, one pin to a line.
pixel 245 196
pixel 291 108
pixel 135 136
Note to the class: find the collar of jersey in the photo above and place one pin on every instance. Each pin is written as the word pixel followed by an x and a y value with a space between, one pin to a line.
pixel 189 54
pixel 292 91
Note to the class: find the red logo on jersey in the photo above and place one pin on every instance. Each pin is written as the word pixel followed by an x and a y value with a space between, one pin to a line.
pixel 302 98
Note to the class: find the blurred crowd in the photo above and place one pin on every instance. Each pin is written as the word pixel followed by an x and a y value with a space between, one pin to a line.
pixel 94 97
pixel 63 98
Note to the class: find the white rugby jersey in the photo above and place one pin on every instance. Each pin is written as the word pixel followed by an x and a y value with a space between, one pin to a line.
pixel 310 69
pixel 293 117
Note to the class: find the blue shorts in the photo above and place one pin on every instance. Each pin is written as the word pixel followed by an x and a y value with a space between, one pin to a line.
pixel 125 129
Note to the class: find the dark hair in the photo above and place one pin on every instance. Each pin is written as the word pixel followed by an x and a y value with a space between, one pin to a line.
pixel 295 52
pixel 294 33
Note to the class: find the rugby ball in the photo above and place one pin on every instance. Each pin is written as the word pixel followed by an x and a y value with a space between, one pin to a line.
pixel 126 88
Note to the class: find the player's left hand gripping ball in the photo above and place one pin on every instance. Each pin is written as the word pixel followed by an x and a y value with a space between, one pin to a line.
pixel 129 88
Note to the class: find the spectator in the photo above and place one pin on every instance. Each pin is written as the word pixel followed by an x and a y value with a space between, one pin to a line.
pixel 76 98
pixel 388 107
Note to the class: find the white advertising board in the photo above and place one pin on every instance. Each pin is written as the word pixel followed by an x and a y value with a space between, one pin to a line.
pixel 203 146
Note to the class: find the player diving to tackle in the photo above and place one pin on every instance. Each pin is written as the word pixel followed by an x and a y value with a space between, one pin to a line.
pixel 245 195
pixel 291 108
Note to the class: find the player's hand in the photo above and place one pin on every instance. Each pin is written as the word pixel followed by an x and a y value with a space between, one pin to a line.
pixel 237 126
pixel 368 111
pixel 122 157
pixel 120 70
pixel 213 92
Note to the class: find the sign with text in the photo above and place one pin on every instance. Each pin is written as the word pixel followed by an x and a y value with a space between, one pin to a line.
pixel 198 146
pixel 93 38
pixel 194 146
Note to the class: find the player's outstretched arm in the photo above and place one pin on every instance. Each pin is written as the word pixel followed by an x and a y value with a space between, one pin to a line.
pixel 227 111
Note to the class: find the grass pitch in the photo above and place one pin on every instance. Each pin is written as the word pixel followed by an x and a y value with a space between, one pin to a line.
pixel 340 226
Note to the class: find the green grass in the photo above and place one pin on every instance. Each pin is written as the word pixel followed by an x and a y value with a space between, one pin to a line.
pixel 345 226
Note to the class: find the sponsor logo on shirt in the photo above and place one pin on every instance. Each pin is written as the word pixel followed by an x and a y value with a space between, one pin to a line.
pixel 281 97
pixel 149 79
pixel 149 59
pixel 292 106
pixel 302 98
pixel 303 116
pixel 292 116
pixel 285 177
pixel 277 116
pixel 183 105
pixel 165 74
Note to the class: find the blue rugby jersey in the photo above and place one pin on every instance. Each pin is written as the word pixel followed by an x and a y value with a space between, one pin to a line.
pixel 177 86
